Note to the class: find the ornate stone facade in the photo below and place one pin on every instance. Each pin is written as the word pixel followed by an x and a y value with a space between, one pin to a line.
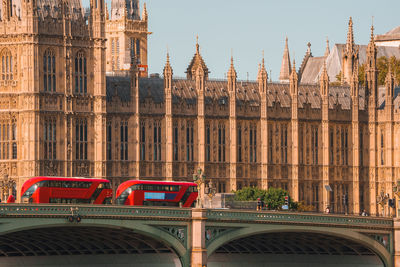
pixel 61 114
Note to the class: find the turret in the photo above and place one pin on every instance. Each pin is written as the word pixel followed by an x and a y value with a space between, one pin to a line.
pixel 324 82
pixel 350 56
pixel 294 80
pixel 371 73
pixel 262 78
pixel 285 67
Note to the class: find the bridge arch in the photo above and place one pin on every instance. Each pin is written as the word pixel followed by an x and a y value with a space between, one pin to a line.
pixel 261 229
pixel 146 228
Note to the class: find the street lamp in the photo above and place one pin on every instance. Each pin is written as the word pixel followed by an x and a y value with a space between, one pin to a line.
pixel 382 198
pixel 199 178
pixel 210 191
pixel 6 184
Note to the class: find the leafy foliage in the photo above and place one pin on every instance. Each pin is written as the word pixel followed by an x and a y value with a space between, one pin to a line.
pixel 273 198
pixel 382 64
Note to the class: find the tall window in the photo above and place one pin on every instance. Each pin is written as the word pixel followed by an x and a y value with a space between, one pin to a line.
pixel 361 148
pixel 239 141
pixel 382 148
pixel 49 71
pixel 342 146
pixel 80 73
pixel 189 141
pixel 284 144
pixel 109 143
pixel 6 66
pixel 117 53
pixel 208 143
pixel 50 139
pixel 331 153
pixel 13 140
pixel 143 141
pixel 124 140
pixel 253 143
pixel 176 143
pixel 157 141
pixel 135 47
pixel 346 146
pixel 315 145
pixel 270 147
pixel 138 48
pixel 301 146
pixel 113 53
pixel 221 143
pixel 5 140
pixel 81 140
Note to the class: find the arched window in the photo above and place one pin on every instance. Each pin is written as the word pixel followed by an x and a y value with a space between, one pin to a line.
pixel 80 73
pixel 49 71
pixel 6 65
pixel 81 139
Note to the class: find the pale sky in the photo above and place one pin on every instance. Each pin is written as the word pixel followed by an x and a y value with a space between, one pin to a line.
pixel 249 27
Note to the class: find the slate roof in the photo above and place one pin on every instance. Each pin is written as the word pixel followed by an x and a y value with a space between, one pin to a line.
pixel 314 65
pixel 312 70
pixel 393 34
pixel 50 8
pixel 216 91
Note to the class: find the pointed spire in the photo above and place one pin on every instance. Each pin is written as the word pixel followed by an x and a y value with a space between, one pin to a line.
pixel 144 14
pixel 167 67
pixel 196 63
pixel 232 71
pixel 327 51
pixel 262 76
pixel 309 48
pixel 285 67
pixel 389 81
pixel 324 75
pixel 350 36
pixel 107 14
pixel 197 45
pixel 293 74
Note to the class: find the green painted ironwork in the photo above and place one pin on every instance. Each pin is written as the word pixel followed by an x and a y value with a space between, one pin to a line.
pixel 179 232
pixel 226 215
pixel 94 211
pixel 383 239
pixel 213 232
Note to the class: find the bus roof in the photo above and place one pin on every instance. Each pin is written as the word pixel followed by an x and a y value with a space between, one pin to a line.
pixel 28 183
pixel 123 186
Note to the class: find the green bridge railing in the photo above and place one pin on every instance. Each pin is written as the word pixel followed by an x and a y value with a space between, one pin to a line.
pixel 93 211
pixel 287 217
pixel 120 212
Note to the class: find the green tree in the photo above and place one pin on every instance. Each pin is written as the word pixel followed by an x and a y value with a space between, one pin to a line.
pixel 273 198
pixel 382 64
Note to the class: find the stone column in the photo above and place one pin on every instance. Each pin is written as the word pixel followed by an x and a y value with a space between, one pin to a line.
pixel 168 120
pixel 262 87
pixel 232 126
pixel 199 250
pixel 200 86
pixel 324 89
pixel 294 178
pixel 354 199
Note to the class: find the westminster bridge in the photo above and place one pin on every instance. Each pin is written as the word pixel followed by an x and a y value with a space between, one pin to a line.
pixel 91 235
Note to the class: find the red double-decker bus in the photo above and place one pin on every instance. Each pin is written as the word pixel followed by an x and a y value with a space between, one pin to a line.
pixel 66 190
pixel 156 193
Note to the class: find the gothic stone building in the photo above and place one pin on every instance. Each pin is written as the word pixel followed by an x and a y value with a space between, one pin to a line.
pixel 71 106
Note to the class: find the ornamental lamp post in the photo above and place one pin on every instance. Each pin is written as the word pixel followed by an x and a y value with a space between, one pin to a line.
pixel 210 191
pixel 199 178
pixel 6 185
pixel 396 191
pixel 382 198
